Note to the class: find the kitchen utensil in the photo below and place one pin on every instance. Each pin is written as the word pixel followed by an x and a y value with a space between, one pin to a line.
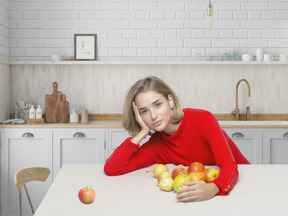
pixel 50 101
pixel 56 107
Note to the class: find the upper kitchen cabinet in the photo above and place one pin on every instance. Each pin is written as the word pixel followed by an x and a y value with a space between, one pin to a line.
pixel 21 149
pixel 78 146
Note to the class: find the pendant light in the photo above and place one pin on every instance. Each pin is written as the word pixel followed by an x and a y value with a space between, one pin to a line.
pixel 209 21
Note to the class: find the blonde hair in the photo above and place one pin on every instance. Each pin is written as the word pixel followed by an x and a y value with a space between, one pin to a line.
pixel 150 83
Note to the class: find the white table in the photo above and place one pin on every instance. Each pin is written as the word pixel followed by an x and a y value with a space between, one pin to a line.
pixel 260 190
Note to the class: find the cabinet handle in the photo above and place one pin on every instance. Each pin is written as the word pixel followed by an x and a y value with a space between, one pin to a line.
pixel 28 134
pixel 237 134
pixel 79 134
pixel 285 135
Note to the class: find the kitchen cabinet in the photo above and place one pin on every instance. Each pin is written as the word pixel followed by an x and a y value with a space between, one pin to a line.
pixel 249 142
pixel 21 149
pixel 117 136
pixel 275 147
pixel 79 146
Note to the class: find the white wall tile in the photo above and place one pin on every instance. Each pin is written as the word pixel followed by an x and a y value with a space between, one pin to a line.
pixel 23 21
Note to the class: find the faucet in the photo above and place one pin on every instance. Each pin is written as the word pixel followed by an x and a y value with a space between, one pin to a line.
pixel 236 111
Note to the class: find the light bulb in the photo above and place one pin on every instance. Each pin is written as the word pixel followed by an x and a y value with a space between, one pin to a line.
pixel 209 23
pixel 209 20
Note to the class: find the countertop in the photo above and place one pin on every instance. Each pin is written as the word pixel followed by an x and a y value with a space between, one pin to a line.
pixel 118 124
pixel 260 190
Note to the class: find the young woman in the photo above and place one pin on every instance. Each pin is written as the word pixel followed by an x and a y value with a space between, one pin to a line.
pixel 180 137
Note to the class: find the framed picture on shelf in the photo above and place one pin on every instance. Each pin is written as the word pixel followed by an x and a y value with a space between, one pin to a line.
pixel 85 46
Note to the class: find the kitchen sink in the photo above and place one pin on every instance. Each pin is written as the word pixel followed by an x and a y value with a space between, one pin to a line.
pixel 253 123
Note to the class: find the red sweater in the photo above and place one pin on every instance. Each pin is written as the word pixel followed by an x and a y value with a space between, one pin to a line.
pixel 199 138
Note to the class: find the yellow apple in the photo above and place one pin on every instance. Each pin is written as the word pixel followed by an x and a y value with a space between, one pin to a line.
pixel 165 174
pixel 158 169
pixel 177 184
pixel 166 184
pixel 210 174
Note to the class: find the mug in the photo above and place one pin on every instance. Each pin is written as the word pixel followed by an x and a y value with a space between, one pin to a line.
pixel 268 57
pixel 259 54
pixel 247 57
pixel 283 57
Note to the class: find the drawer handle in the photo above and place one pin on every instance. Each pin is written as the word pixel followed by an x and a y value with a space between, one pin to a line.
pixel 285 135
pixel 28 134
pixel 237 134
pixel 79 134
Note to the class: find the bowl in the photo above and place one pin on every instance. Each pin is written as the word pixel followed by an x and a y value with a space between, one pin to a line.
pixel 55 57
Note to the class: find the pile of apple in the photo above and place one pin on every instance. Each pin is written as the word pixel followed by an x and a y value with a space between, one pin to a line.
pixel 195 172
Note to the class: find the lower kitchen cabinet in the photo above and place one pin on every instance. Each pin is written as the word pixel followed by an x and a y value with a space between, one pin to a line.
pixel 21 149
pixel 275 147
pixel 249 142
pixel 53 147
pixel 79 146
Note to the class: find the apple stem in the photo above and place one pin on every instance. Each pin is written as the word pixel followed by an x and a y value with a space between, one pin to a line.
pixel 148 171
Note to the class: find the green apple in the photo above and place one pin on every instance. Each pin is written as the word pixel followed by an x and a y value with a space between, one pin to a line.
pixel 166 184
pixel 177 184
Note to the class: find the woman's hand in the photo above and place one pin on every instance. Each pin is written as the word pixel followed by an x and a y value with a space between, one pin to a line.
pixel 197 191
pixel 145 130
pixel 139 119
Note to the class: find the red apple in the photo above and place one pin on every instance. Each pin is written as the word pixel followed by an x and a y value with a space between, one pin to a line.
pixel 86 195
pixel 177 171
pixel 165 174
pixel 210 174
pixel 177 184
pixel 197 176
pixel 196 167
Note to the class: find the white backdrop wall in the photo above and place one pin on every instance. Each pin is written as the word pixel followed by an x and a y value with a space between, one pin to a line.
pixel 145 30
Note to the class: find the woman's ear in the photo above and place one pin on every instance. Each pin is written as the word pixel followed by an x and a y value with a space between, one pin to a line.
pixel 170 101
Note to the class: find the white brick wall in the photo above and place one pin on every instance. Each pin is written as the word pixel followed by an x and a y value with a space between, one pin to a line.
pixel 4 30
pixel 142 30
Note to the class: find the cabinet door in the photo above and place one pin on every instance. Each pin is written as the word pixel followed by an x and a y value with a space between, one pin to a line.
pixel 22 149
pixel 83 146
pixel 117 136
pixel 249 142
pixel 275 147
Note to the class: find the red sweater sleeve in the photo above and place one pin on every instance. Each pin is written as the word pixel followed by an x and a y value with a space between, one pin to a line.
pixel 129 157
pixel 224 159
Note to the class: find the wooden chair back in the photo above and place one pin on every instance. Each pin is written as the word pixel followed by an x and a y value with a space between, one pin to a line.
pixel 30 174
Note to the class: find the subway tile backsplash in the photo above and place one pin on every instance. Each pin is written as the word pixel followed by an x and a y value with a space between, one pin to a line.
pixel 141 30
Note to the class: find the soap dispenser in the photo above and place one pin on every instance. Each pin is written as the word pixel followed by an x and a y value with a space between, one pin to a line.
pixel 32 112
pixel 39 112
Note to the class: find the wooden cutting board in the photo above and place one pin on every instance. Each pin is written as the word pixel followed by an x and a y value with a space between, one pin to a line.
pixel 56 107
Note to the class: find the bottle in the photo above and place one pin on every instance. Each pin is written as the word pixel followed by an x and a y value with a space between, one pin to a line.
pixel 39 112
pixel 32 112
pixel 74 117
